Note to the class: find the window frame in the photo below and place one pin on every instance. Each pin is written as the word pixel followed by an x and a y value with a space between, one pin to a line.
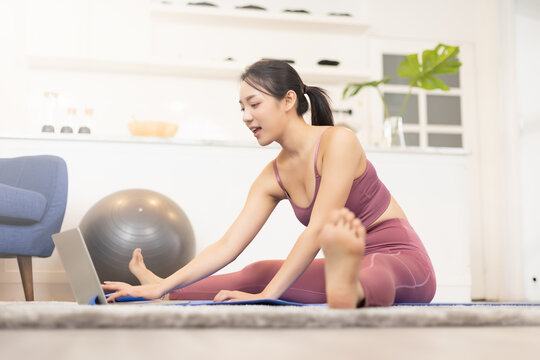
pixel 379 47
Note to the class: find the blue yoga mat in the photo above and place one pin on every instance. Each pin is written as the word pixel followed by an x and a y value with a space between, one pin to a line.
pixel 290 303
pixel 210 302
pixel 469 304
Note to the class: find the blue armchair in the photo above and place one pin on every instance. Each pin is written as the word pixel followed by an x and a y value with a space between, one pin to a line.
pixel 33 195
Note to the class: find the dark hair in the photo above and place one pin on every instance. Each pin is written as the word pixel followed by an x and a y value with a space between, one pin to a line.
pixel 276 78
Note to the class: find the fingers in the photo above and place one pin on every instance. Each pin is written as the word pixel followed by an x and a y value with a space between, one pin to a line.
pixel 221 296
pixel 116 295
pixel 120 289
pixel 113 285
pixel 225 295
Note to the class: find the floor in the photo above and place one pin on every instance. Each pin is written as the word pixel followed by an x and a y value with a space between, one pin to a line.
pixel 336 344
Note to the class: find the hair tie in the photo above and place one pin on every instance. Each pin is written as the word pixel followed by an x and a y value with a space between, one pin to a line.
pixel 306 88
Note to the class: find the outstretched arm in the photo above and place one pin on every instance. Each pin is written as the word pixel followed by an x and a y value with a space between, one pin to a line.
pixel 259 205
pixel 341 158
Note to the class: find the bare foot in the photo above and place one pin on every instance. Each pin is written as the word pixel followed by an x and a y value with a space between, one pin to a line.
pixel 343 243
pixel 138 268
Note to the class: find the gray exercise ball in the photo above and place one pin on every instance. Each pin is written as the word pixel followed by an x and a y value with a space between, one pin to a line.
pixel 137 218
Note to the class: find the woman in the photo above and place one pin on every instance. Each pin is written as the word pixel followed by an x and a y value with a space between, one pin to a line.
pixel 372 256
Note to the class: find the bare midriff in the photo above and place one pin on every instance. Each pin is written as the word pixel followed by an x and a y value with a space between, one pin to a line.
pixel 393 211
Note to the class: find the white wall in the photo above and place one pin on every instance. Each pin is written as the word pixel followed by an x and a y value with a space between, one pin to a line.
pixel 527 78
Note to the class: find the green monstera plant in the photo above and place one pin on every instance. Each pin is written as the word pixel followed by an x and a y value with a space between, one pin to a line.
pixel 441 60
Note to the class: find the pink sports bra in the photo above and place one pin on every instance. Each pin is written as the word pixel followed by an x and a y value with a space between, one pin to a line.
pixel 368 199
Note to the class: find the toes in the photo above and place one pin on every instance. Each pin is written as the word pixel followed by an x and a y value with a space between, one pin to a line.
pixel 136 259
pixel 342 216
pixel 334 217
pixel 349 218
pixel 344 212
pixel 361 232
pixel 359 229
pixel 346 217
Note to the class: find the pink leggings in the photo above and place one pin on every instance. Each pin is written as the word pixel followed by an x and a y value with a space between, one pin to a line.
pixel 395 269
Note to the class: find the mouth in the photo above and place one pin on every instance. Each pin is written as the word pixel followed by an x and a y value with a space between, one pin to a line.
pixel 255 130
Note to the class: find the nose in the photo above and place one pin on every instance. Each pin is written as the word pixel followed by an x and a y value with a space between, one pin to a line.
pixel 246 116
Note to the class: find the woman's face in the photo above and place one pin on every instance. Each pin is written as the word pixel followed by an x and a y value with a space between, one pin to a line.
pixel 262 113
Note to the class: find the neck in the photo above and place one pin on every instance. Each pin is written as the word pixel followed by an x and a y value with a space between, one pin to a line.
pixel 297 137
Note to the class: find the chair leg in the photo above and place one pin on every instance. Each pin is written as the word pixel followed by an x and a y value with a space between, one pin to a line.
pixel 25 268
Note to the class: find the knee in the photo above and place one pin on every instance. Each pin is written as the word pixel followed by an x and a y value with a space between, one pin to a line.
pixel 261 270
pixel 426 286
pixel 427 293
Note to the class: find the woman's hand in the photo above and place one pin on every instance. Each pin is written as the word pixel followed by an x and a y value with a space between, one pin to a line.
pixel 229 295
pixel 150 291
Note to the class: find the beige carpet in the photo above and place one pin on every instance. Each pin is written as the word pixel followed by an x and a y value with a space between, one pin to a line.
pixel 18 315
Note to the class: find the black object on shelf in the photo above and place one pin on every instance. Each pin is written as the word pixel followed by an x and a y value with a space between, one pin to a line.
pixel 66 130
pixel 84 130
pixel 296 11
pixel 327 62
pixel 203 3
pixel 340 14
pixel 289 61
pixel 47 129
pixel 343 111
pixel 251 7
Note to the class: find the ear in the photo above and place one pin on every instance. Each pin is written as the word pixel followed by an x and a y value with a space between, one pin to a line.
pixel 290 100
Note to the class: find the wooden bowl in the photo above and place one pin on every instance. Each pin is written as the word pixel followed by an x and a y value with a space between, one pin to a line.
pixel 152 128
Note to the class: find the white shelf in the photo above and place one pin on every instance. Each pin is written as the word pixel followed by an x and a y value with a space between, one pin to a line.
pixel 147 66
pixel 247 17
pixel 209 142
pixel 228 70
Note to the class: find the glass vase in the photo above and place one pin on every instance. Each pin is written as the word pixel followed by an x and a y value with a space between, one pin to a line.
pixel 393 132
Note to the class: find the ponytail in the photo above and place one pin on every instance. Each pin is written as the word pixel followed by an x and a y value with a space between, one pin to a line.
pixel 321 114
pixel 276 78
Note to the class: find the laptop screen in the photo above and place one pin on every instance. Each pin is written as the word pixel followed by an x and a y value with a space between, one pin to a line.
pixel 79 267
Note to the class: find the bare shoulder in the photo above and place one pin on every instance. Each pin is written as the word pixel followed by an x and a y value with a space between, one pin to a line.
pixel 341 139
pixel 266 184
pixel 340 147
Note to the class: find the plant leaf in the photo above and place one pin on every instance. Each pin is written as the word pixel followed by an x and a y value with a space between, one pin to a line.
pixel 441 60
pixel 435 61
pixel 409 67
pixel 448 67
pixel 430 82
pixel 353 89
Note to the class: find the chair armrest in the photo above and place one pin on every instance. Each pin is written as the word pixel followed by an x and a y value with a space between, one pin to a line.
pixel 21 207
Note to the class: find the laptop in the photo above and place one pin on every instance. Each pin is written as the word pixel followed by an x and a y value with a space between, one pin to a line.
pixel 82 273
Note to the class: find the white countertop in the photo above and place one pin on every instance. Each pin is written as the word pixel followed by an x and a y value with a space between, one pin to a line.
pixel 209 142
